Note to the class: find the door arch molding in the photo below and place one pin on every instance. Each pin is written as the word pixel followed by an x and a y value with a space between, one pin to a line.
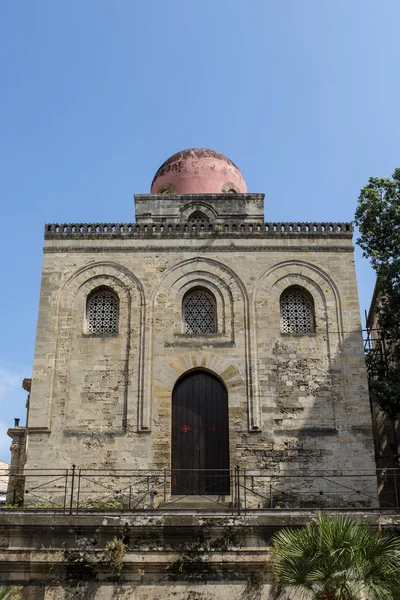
pixel 206 370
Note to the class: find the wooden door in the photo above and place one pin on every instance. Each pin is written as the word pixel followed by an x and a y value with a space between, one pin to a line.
pixel 200 435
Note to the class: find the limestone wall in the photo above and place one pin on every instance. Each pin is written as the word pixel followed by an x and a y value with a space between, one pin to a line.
pixel 295 401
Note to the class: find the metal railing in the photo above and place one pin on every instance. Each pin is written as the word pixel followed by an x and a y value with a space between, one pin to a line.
pixel 239 491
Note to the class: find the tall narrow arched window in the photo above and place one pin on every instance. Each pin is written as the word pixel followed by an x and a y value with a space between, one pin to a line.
pixel 297 311
pixel 102 310
pixel 199 312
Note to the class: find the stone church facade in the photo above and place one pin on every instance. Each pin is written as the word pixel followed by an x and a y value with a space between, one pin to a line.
pixel 199 286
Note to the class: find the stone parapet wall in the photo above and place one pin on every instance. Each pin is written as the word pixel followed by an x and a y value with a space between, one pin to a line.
pixel 174 557
pixel 168 229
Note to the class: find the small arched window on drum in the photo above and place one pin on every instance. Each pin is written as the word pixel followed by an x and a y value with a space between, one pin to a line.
pixel 102 309
pixel 199 313
pixel 297 311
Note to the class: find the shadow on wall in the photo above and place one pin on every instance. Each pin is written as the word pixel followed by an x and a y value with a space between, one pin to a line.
pixel 319 451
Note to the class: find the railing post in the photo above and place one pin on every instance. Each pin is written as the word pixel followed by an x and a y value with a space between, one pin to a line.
pixel 165 484
pixel 66 489
pixel 130 498
pixel 238 488
pixel 232 474
pixel 79 490
pixel 270 495
pixel 245 495
pixel 396 490
pixel 72 489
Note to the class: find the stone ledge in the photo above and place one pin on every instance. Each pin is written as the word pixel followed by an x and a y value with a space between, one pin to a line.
pixel 195 249
pixel 51 555
pixel 273 519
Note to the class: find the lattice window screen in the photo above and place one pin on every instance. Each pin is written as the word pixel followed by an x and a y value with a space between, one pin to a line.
pixel 198 218
pixel 297 312
pixel 199 313
pixel 102 313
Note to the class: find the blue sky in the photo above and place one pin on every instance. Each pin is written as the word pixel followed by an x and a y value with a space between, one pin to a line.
pixel 303 96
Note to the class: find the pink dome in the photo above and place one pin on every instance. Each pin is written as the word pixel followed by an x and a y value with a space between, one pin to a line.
pixel 198 171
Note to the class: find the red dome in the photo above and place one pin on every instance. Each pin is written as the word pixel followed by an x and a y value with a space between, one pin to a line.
pixel 198 171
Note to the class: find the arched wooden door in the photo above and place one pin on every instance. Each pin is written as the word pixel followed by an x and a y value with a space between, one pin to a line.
pixel 200 435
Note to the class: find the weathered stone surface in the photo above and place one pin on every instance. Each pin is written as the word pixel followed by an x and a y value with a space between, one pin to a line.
pixel 167 556
pixel 84 387
pixel 298 404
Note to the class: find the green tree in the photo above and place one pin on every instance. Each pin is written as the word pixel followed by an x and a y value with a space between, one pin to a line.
pixel 378 219
pixel 337 559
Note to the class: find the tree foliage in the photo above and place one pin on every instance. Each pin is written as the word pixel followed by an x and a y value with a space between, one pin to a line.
pixel 378 219
pixel 337 559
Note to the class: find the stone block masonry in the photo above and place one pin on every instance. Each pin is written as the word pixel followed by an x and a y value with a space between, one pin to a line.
pixel 268 401
pixel 105 402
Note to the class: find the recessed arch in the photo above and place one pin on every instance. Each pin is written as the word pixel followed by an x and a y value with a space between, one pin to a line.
pixel 200 207
pixel 128 287
pixel 319 284
pixel 187 270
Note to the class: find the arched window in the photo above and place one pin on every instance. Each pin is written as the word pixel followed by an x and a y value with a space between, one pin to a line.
pixel 230 188
pixel 166 188
pixel 297 311
pixel 102 312
pixel 198 218
pixel 199 312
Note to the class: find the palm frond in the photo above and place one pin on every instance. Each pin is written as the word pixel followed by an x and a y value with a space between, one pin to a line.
pixel 337 559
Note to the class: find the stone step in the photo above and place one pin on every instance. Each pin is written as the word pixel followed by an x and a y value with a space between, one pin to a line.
pixel 197 503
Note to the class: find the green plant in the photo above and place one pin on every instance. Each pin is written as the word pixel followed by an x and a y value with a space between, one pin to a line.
pixel 337 559
pixel 378 219
pixel 218 228
pixel 115 552
pixel 29 506
pixel 7 594
pixel 103 504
